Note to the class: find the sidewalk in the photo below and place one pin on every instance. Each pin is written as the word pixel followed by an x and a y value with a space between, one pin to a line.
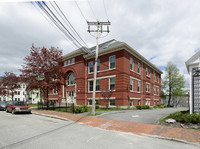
pixel 178 134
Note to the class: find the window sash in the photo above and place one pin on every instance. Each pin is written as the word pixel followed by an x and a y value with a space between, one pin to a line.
pixel 131 84
pixel 91 67
pixel 112 61
pixel 138 86
pixel 131 63
pixel 112 83
pixel 98 65
pixel 138 67
pixel 112 102
pixel 97 85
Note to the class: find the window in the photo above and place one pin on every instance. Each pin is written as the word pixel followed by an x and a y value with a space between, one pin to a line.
pixel 131 103
pixel 18 92
pixel 138 67
pixel 112 62
pixel 97 85
pixel 148 87
pixel 90 67
pixel 138 86
pixel 90 102
pixel 55 91
pixel 147 72
pixel 73 60
pixel 68 61
pixel 131 84
pixel 112 83
pixel 98 65
pixel 138 102
pixel 154 76
pixel 112 102
pixel 131 63
pixel 148 102
pixel 71 79
pixel 65 63
pixel 158 91
pixel 158 78
pixel 154 90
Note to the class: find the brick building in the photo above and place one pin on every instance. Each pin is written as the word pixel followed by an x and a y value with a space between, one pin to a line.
pixel 132 78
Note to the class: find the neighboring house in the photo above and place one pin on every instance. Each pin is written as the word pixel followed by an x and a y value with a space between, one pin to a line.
pixel 193 67
pixel 22 95
pixel 132 78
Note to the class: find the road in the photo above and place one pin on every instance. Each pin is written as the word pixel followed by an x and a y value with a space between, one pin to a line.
pixel 31 131
pixel 141 116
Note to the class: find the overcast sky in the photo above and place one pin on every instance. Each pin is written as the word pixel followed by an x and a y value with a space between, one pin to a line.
pixel 161 31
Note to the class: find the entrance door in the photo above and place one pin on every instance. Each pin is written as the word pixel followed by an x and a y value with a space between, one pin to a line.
pixel 71 96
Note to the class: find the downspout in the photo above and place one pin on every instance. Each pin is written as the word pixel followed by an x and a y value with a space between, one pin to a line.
pixel 85 81
pixel 142 81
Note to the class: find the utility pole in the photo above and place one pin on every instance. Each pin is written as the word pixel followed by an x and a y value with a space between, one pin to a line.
pixel 100 28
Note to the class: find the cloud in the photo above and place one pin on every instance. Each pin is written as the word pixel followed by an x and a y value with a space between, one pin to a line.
pixel 161 31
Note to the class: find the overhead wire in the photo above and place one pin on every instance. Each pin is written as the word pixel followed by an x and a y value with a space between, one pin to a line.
pixel 58 22
pixel 92 10
pixel 53 25
pixel 68 22
pixel 105 9
pixel 80 10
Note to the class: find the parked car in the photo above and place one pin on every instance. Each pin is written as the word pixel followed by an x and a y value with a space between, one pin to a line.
pixel 3 105
pixel 17 107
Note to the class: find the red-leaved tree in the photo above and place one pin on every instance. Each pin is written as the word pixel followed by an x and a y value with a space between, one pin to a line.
pixel 10 82
pixel 43 70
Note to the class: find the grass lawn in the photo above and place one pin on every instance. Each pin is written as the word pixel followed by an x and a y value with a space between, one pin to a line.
pixel 32 105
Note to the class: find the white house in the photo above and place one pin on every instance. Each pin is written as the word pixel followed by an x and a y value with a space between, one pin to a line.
pixel 193 67
pixel 21 94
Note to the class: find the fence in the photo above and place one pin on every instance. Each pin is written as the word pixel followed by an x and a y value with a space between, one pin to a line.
pixel 64 107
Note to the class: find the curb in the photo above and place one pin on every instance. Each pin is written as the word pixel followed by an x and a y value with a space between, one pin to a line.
pixel 52 116
pixel 171 139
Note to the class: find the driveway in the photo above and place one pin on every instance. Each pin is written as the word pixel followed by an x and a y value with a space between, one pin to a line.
pixel 37 132
pixel 141 116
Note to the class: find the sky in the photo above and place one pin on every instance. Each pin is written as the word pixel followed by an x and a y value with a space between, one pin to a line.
pixel 161 31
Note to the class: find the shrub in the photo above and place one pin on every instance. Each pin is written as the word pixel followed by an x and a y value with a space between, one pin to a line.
pixel 185 117
pixel 81 109
pixel 139 107
pixel 96 106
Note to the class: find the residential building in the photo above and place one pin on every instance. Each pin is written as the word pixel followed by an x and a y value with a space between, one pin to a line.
pixel 32 97
pixel 129 77
pixel 193 68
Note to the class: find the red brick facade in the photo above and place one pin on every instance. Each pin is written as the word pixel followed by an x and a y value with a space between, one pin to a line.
pixel 123 94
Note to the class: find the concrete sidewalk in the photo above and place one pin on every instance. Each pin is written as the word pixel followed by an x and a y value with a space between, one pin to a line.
pixel 178 134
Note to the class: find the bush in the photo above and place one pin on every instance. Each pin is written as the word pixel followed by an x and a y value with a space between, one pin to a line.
pixel 185 117
pixel 81 109
pixel 140 107
pixel 96 106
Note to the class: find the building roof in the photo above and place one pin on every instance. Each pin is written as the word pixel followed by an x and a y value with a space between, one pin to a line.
pixel 111 46
pixel 194 60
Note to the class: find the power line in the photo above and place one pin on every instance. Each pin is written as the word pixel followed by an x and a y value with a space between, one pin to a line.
pixel 92 10
pixel 52 23
pixel 70 25
pixel 80 10
pixel 57 24
pixel 105 9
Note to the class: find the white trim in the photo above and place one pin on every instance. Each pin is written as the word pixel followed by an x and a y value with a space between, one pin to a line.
pixel 156 99
pixel 132 64
pixel 53 98
pixel 104 77
pixel 115 83
pixel 135 78
pixel 102 98
pixel 89 67
pixel 135 72
pixel 133 98
pixel 92 87
pixel 109 62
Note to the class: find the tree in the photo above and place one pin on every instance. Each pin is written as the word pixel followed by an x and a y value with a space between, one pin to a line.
pixel 107 93
pixel 173 81
pixel 11 83
pixel 43 70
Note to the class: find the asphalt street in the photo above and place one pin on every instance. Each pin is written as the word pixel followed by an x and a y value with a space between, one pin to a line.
pixel 29 131
pixel 141 116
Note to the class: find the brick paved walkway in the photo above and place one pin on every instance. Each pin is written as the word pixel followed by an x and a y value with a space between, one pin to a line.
pixel 132 127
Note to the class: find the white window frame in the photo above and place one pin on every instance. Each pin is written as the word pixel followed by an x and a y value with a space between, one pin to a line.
pixel 73 61
pixel 148 87
pixel 131 64
pixel 148 72
pixel 90 91
pixel 139 84
pixel 92 67
pixel 112 105
pixel 110 84
pixel 131 81
pixel 139 67
pixel 110 62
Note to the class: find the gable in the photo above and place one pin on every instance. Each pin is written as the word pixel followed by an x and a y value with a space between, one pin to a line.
pixel 195 59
